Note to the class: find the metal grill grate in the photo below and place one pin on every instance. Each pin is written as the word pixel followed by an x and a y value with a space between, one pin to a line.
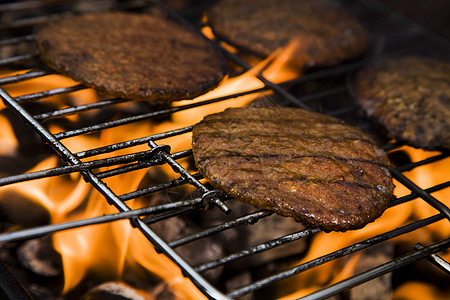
pixel 159 153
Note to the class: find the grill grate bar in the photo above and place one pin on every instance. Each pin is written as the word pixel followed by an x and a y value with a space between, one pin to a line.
pixel 17 40
pixel 30 233
pixel 76 109
pixel 336 254
pixel 426 161
pixel 158 188
pixel 32 21
pixel 436 260
pixel 414 196
pixel 421 193
pixel 169 214
pixel 326 73
pixel 257 249
pixel 52 92
pixel 248 219
pixel 141 164
pixel 17 59
pixel 379 271
pixel 135 142
pixel 24 76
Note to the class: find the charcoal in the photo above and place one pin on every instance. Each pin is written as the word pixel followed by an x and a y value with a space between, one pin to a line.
pixel 379 288
pixel 115 291
pixel 39 256
pixel 12 204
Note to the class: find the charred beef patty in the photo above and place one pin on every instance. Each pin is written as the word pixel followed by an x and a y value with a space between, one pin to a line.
pixel 132 56
pixel 326 33
pixel 301 164
pixel 410 98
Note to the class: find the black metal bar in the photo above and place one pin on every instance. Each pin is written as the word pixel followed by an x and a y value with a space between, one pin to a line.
pixel 436 260
pixel 247 219
pixel 428 190
pixel 52 228
pixel 378 271
pixel 24 76
pixel 139 165
pixel 31 21
pixel 131 143
pixel 79 108
pixel 168 214
pixel 426 161
pixel 17 59
pixel 257 249
pixel 52 92
pixel 334 255
pixel 421 193
pixel 17 40
pixel 158 188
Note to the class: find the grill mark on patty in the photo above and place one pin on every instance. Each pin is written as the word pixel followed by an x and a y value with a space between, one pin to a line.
pixel 230 153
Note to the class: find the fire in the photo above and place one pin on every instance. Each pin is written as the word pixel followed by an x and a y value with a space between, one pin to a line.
pixel 108 249
pixel 8 141
pixel 419 291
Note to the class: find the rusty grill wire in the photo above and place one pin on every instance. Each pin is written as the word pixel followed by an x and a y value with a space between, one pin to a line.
pixel 159 154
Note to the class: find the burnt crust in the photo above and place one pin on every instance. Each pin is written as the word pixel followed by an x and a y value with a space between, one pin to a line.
pixel 300 164
pixel 410 98
pixel 327 34
pixel 134 56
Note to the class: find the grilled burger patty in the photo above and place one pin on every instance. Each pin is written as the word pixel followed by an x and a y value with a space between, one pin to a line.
pixel 410 98
pixel 327 34
pixel 132 56
pixel 301 164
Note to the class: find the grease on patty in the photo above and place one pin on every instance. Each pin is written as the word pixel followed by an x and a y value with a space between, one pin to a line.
pixel 301 164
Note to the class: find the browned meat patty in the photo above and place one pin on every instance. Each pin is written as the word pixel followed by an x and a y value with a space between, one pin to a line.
pixel 410 98
pixel 301 164
pixel 132 56
pixel 327 34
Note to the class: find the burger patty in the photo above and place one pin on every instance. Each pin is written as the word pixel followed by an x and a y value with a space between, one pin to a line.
pixel 410 98
pixel 132 56
pixel 301 164
pixel 325 32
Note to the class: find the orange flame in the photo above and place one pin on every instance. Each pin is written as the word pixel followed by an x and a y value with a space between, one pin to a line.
pixel 107 248
pixel 8 141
